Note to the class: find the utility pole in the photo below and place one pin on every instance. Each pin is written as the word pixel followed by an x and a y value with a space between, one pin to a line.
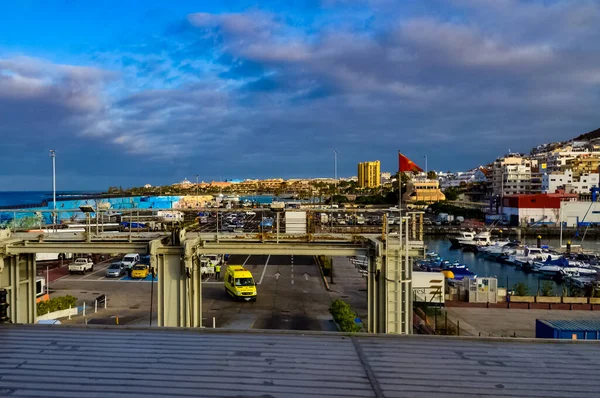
pixel 335 172
pixel 53 156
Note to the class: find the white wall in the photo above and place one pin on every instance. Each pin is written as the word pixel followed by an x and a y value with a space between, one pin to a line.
pixel 551 182
pixel 538 215
pixel 571 211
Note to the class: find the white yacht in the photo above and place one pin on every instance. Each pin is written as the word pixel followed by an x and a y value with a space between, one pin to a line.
pixel 461 235
pixel 497 248
pixel 480 239
pixel 532 255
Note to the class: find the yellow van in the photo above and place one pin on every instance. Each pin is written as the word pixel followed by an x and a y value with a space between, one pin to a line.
pixel 239 283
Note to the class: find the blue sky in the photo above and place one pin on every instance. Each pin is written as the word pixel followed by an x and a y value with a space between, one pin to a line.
pixel 130 93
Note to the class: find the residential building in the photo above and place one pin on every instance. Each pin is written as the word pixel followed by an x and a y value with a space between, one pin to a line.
pixel 565 181
pixel 534 209
pixel 462 178
pixel 184 183
pixel 369 174
pixel 584 164
pixel 423 191
pixel 273 183
pixel 511 175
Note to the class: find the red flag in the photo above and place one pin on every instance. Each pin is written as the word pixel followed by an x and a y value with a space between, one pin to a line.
pixel 405 164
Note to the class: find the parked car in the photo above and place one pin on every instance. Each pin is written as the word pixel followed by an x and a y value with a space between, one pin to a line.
pixel 130 260
pixel 250 213
pixel 139 271
pixel 115 270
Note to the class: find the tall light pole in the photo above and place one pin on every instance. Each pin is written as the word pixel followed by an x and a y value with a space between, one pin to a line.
pixel 334 176
pixel 196 190
pixel 53 156
pixel 335 169
pixel 426 169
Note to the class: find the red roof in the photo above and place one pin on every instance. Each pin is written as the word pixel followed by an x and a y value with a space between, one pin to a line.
pixel 538 201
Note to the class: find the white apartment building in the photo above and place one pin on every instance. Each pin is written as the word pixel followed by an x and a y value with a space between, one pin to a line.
pixel 553 181
pixel 511 175
pixel 462 178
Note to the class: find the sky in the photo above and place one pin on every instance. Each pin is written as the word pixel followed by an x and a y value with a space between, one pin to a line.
pixel 131 92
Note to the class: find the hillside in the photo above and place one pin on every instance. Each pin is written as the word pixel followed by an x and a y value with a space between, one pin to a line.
pixel 588 136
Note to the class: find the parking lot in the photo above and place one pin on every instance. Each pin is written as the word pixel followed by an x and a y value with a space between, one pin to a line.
pixel 337 221
pixel 291 295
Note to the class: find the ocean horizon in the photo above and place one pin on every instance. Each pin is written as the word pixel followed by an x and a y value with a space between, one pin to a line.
pixel 10 198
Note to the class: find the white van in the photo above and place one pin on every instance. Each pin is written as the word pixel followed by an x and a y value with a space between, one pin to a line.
pixel 130 260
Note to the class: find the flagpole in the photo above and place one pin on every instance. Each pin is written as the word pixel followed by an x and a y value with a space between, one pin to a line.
pixel 399 209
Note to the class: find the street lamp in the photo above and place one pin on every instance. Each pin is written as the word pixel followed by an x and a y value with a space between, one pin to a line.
pixel 334 173
pixel 53 156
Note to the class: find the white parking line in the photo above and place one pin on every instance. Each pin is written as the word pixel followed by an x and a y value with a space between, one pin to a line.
pixel 94 280
pixel 264 270
pixel 245 261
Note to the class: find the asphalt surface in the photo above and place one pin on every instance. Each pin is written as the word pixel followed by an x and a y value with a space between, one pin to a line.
pixel 291 296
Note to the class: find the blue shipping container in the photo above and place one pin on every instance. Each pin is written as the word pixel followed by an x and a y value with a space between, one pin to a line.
pixel 586 329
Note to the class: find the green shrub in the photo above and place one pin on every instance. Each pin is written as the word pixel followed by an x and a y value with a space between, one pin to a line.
pixel 344 316
pixel 521 289
pixel 56 304
pixel 547 288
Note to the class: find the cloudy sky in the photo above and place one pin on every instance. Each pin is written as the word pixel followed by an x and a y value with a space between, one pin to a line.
pixel 131 92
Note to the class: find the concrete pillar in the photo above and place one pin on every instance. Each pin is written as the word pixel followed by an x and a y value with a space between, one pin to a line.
pixel 17 276
pixel 420 226
pixel 376 294
pixel 179 286
pixel 398 300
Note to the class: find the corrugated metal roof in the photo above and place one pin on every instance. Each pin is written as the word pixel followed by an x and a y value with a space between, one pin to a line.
pixel 58 361
pixel 580 325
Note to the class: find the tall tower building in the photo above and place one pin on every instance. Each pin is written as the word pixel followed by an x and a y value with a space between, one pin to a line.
pixel 369 174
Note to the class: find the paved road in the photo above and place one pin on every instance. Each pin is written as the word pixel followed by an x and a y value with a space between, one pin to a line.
pixel 291 295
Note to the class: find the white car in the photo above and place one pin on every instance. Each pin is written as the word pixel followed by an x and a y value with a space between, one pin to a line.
pixel 81 265
pixel 250 213
pixel 130 260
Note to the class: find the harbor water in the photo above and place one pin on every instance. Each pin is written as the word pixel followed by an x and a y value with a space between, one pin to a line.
pixel 507 275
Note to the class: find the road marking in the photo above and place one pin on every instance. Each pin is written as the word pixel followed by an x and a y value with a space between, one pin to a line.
pixel 57 279
pixel 245 261
pixel 264 270
pixel 102 280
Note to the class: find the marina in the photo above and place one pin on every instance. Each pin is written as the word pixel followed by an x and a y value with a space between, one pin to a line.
pixel 531 267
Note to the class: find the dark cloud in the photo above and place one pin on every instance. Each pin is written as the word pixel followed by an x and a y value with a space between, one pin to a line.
pixel 258 94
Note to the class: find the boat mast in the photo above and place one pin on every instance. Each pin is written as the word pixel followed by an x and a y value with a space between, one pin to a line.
pixel 561 222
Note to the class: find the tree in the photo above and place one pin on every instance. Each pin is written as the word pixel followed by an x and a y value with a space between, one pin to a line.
pixel 521 289
pixel 547 288
pixel 451 193
pixel 431 175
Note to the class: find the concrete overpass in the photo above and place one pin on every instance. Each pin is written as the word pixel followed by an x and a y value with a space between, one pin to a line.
pixel 175 256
